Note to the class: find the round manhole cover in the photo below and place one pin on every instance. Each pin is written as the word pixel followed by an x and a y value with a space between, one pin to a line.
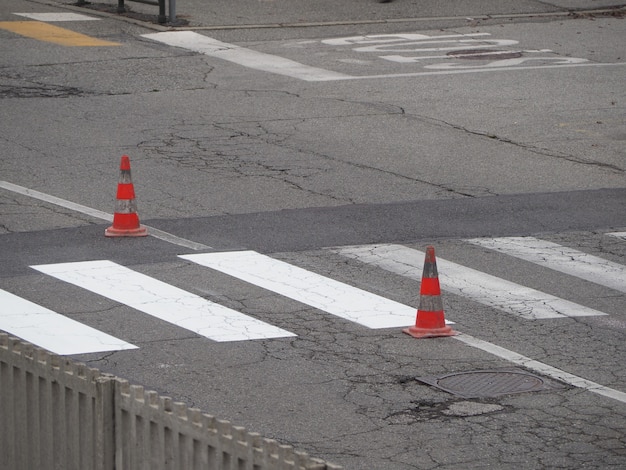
pixel 484 54
pixel 490 383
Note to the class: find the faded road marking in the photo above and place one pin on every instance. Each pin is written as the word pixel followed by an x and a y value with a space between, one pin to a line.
pixel 246 57
pixel 559 258
pixel 53 34
pixel 57 17
pixel 480 287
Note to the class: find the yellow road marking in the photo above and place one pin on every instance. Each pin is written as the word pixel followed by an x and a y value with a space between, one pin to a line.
pixel 50 33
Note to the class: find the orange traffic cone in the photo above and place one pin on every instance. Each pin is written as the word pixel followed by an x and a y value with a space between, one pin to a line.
pixel 430 321
pixel 125 219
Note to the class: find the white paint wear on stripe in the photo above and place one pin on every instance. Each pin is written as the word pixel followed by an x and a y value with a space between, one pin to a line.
pixel 559 258
pixel 53 331
pixel 334 297
pixel 248 58
pixel 618 235
pixel 542 368
pixel 57 17
pixel 163 301
pixel 478 286
pixel 160 234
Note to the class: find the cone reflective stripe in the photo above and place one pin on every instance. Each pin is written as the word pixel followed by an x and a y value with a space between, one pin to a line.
pixel 125 219
pixel 430 321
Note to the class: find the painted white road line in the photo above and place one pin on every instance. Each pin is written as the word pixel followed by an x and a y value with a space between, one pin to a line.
pixel 97 214
pixel 57 201
pixel 248 58
pixel 478 286
pixel 393 39
pixel 457 71
pixel 57 17
pixel 542 368
pixel 163 301
pixel 328 295
pixel 559 258
pixel 53 331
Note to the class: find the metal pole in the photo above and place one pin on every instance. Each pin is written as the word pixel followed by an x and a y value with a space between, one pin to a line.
pixel 172 11
pixel 161 19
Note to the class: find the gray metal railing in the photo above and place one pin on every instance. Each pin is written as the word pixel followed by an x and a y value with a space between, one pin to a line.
pixel 57 413
pixel 161 18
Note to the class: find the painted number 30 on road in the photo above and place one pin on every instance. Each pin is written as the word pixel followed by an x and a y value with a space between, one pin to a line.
pixel 457 51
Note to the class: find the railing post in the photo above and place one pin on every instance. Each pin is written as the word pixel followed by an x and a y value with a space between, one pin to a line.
pixel 105 425
pixel 162 18
pixel 172 11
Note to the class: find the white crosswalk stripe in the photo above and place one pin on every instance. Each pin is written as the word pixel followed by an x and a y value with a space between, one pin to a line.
pixel 186 310
pixel 328 295
pixel 163 301
pixel 560 258
pixel 483 288
pixel 52 331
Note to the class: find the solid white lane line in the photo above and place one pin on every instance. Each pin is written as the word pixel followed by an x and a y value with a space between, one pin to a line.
pixel 51 330
pixel 542 368
pixel 334 297
pixel 163 301
pixel 559 258
pixel 239 55
pixel 478 286
pixel 57 201
pixel 156 233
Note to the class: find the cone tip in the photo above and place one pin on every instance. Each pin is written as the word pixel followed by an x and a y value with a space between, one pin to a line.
pixel 430 254
pixel 125 163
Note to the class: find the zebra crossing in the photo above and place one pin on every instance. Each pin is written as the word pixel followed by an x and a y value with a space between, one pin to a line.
pixel 162 301
pixel 60 334
pixel 483 288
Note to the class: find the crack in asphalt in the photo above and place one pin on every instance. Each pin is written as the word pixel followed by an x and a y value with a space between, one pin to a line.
pixel 233 155
pixel 531 148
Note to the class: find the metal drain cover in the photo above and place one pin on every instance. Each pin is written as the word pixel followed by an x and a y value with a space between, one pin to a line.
pixel 490 383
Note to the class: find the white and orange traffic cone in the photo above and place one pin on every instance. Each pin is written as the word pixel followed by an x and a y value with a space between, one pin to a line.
pixel 125 219
pixel 430 321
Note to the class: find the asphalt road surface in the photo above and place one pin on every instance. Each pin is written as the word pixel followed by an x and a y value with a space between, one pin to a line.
pixel 292 165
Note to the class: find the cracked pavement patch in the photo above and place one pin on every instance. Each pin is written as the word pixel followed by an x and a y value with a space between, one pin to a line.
pixel 426 410
pixel 32 89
